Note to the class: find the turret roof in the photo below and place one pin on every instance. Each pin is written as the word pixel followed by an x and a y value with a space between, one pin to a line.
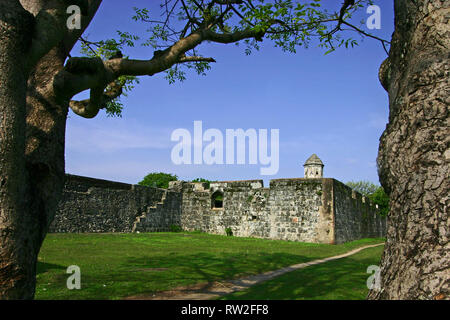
pixel 314 159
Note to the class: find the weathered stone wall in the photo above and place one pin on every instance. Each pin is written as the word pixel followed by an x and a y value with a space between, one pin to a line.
pixel 307 210
pixel 291 209
pixel 162 215
pixel 296 207
pixel 355 216
pixel 94 205
pixel 243 207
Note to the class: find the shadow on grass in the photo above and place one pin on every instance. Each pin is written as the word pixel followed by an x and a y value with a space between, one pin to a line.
pixel 205 268
pixel 149 274
pixel 212 266
pixel 339 279
pixel 116 266
pixel 43 267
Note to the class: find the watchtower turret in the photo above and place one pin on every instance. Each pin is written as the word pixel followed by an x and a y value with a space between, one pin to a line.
pixel 313 167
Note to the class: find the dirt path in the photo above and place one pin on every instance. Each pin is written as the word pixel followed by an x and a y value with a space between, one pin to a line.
pixel 212 290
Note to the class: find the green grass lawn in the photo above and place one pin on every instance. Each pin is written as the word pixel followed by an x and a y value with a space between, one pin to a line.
pixel 343 279
pixel 114 266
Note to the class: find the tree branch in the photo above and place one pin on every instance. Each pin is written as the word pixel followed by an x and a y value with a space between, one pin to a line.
pixel 231 37
pixel 81 74
pixel 383 41
pixel 195 59
pixel 99 76
pixel 226 2
pixel 99 97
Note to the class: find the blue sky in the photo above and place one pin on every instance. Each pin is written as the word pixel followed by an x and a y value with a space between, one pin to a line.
pixel 331 105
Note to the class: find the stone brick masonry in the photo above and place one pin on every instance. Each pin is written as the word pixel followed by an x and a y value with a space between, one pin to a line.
pixel 318 210
pixel 93 205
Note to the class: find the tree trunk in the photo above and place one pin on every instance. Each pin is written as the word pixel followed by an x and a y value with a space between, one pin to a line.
pixel 414 154
pixel 18 247
pixel 32 136
pixel 45 136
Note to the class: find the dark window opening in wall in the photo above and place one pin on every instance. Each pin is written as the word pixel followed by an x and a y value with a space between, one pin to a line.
pixel 217 200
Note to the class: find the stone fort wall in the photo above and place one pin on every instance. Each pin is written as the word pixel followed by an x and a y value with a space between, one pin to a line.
pixel 94 205
pixel 308 210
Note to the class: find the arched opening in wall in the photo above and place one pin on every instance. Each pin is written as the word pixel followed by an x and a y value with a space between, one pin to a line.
pixel 217 200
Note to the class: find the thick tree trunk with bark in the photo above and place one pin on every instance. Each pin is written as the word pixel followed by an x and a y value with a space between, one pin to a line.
pixel 32 133
pixel 31 155
pixel 34 102
pixel 45 136
pixel 414 154
pixel 18 242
